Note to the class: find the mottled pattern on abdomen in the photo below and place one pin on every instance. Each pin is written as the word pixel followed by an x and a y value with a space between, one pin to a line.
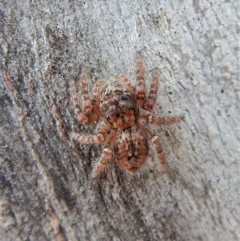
pixel 130 149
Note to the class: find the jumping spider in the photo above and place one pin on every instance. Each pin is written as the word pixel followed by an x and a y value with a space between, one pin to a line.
pixel 122 107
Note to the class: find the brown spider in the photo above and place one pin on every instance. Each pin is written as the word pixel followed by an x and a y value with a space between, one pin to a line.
pixel 121 107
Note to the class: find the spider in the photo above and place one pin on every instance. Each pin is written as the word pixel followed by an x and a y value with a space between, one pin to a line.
pixel 123 109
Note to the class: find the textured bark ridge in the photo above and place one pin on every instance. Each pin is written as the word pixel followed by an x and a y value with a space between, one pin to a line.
pixel 47 192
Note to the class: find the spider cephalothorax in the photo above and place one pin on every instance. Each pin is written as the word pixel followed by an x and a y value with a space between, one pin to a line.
pixel 123 110
pixel 118 106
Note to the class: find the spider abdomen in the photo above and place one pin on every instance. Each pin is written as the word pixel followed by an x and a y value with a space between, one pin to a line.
pixel 131 149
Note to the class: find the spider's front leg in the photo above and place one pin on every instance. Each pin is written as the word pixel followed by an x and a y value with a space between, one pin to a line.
pixel 86 102
pixel 146 103
pixel 78 112
pixel 140 88
pixel 89 111
pixel 123 79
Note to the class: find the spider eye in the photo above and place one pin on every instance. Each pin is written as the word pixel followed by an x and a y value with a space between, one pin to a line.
pixel 124 97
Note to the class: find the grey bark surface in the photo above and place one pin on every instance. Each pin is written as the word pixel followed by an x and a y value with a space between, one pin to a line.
pixel 195 46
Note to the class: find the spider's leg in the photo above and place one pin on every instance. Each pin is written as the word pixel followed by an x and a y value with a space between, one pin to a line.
pixel 110 138
pixel 96 92
pixel 86 102
pixel 146 133
pixel 122 78
pixel 150 101
pixel 156 142
pixel 140 88
pixel 87 139
pixel 102 133
pixel 151 119
pixel 105 157
pixel 89 112
pixel 78 112
pixel 163 121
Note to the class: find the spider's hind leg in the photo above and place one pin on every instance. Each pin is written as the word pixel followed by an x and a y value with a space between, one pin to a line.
pixel 107 151
pixel 105 157
pixel 156 142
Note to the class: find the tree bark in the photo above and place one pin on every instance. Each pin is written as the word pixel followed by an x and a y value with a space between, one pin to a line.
pixel 47 192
